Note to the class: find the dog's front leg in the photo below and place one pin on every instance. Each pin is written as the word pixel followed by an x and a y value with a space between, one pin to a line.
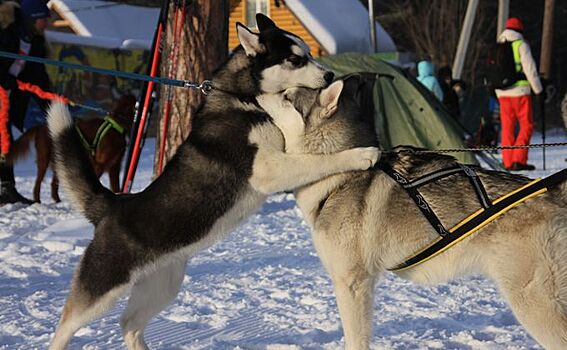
pixel 354 299
pixel 278 171
pixel 354 285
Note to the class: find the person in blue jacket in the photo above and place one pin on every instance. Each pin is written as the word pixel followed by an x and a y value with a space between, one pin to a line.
pixel 426 76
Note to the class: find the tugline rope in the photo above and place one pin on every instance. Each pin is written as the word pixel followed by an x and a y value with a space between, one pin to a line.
pixel 36 90
pixel 205 87
pixel 455 150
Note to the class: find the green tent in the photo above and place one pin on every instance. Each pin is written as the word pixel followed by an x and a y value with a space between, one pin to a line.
pixel 405 112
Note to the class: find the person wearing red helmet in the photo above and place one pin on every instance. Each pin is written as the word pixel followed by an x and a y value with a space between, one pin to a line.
pixel 516 101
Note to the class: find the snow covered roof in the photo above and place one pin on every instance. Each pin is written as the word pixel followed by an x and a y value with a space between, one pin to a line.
pixel 340 26
pixel 106 24
pixel 104 42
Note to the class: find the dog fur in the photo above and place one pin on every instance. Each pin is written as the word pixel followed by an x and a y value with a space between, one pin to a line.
pixel 232 160
pixel 363 222
pixel 106 159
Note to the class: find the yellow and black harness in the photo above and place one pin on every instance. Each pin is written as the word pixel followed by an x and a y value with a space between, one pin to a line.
pixel 108 124
pixel 490 209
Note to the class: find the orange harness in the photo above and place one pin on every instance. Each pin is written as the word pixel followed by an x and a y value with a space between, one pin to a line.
pixel 4 131
pixel 5 108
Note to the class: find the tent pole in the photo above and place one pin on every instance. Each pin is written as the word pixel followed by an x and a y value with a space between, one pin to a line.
pixel 545 58
pixel 464 39
pixel 503 13
pixel 547 40
pixel 373 43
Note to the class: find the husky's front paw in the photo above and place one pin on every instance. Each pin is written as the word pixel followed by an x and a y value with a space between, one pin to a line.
pixel 363 158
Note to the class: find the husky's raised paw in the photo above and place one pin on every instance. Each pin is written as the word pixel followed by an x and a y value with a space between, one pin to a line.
pixel 363 157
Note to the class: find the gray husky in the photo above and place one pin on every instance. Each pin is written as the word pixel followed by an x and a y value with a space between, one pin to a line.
pixel 233 159
pixel 363 222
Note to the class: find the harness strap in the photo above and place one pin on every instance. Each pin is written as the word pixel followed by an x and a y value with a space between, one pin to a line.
pixel 411 189
pixel 481 218
pixel 108 124
pixel 477 186
pixel 114 124
pixel 434 176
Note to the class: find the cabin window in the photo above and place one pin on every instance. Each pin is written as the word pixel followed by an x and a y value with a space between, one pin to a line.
pixel 252 8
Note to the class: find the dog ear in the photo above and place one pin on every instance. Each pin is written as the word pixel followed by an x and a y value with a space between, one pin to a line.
pixel 264 22
pixel 329 98
pixel 249 41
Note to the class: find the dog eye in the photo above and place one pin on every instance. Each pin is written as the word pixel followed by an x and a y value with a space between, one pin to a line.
pixel 296 60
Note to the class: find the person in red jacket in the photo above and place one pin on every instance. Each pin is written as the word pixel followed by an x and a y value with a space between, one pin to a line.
pixel 516 101
pixel 22 29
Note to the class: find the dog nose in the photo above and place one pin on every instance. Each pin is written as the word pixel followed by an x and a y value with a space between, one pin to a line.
pixel 329 77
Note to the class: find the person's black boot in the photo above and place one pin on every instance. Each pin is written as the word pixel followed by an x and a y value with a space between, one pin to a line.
pixel 9 195
pixel 520 167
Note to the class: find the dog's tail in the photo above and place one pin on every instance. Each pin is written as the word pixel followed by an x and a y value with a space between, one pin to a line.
pixel 21 147
pixel 73 166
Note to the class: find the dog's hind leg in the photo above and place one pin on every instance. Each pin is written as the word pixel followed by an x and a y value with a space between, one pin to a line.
pixel 114 177
pixel 104 275
pixel 42 165
pixel 536 288
pixel 43 158
pixel 41 170
pixel 55 188
pixel 80 309
pixel 150 295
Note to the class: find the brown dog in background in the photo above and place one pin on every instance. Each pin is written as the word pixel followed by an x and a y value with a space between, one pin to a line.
pixel 107 155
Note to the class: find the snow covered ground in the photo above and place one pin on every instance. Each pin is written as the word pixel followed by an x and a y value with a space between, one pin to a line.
pixel 261 288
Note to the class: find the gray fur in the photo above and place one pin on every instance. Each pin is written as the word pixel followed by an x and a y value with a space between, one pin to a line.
pixel 363 223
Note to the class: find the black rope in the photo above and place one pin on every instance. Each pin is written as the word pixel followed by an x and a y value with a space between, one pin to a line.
pixel 477 149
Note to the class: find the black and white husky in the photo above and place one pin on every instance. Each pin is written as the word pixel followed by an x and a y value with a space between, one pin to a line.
pixel 222 173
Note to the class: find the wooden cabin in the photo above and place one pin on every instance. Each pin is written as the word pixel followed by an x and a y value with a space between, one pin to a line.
pixel 244 11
